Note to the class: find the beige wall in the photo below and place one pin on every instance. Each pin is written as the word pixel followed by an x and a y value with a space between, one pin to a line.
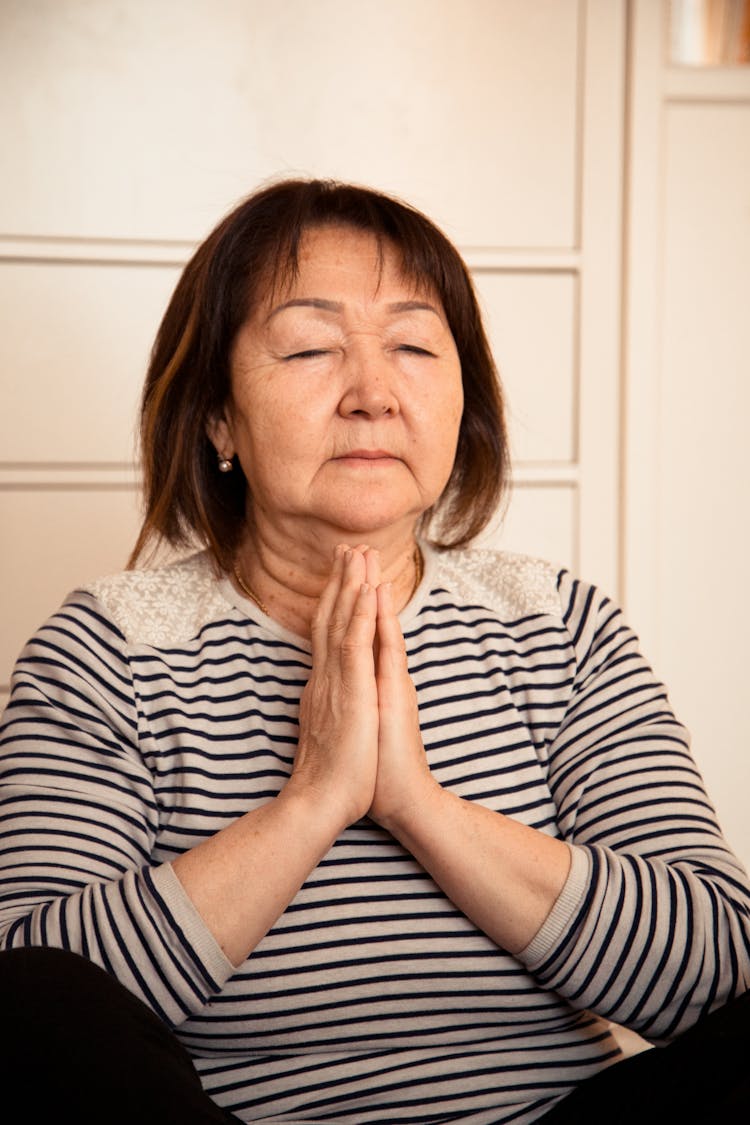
pixel 130 127
pixel 686 383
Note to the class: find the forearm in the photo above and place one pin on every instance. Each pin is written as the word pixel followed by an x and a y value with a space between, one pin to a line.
pixel 654 943
pixel 242 879
pixel 500 873
pixel 196 917
pixel 122 923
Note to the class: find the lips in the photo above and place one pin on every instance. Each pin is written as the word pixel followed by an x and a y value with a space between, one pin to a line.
pixel 366 455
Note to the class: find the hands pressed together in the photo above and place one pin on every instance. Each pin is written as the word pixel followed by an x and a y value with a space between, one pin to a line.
pixel 360 747
pixel 360 753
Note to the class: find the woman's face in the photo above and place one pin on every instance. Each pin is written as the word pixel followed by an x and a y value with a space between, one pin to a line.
pixel 346 393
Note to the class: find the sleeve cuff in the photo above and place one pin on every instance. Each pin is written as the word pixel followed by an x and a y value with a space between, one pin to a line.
pixel 566 906
pixel 204 946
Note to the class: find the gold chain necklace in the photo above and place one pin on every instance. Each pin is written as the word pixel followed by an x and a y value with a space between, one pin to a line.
pixel 418 573
pixel 246 590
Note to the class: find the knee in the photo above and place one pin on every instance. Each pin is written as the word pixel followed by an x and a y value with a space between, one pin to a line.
pixel 75 1036
pixel 43 1000
pixel 37 980
pixel 30 967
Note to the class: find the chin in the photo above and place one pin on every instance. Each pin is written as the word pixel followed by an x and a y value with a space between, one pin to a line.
pixel 363 521
pixel 358 512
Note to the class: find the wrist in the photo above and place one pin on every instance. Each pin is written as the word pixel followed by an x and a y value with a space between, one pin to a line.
pixel 420 804
pixel 318 808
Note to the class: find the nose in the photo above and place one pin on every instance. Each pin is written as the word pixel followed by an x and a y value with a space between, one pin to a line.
pixel 369 382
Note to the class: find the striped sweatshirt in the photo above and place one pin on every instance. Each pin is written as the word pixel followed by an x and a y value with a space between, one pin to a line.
pixel 157 706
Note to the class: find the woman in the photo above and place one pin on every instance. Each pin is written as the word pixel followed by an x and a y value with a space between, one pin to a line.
pixel 386 829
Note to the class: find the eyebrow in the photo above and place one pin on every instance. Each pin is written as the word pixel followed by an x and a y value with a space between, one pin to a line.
pixel 337 306
pixel 411 306
pixel 307 302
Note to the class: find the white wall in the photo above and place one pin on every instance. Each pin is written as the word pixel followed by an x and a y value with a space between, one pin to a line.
pixel 130 126
pixel 687 385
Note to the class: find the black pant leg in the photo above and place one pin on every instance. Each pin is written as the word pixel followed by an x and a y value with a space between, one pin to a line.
pixel 704 1076
pixel 75 1045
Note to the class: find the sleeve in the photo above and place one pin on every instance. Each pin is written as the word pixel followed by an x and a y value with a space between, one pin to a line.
pixel 79 820
pixel 653 927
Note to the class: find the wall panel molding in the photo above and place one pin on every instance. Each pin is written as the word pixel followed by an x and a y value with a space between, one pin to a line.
pixel 526 99
pixel 122 251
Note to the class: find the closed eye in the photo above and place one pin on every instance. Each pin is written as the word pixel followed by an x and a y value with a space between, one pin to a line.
pixel 309 353
pixel 414 350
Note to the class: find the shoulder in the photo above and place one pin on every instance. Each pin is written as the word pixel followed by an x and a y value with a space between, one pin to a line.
pixel 163 606
pixel 513 585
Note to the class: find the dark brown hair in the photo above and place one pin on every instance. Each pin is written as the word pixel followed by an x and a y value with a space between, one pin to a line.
pixel 252 251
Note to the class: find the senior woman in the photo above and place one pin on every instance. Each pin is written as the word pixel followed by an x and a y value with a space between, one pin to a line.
pixel 384 828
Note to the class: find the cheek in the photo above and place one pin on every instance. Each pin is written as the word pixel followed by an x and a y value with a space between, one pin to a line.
pixel 289 433
pixel 441 424
pixel 457 407
pixel 270 417
pixel 454 409
pixel 448 411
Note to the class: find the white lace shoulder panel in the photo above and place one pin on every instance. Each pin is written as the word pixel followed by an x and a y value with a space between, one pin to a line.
pixel 513 585
pixel 163 606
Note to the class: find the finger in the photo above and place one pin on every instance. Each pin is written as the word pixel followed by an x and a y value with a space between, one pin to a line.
pixel 352 577
pixel 333 585
pixel 326 602
pixel 391 644
pixel 372 567
pixel 356 646
pixel 373 577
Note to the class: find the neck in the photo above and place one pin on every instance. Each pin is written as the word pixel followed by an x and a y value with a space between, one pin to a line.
pixel 286 573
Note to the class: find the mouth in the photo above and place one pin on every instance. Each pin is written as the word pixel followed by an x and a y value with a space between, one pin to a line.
pixel 366 455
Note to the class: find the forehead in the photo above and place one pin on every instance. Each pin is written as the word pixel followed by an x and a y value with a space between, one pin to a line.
pixel 341 262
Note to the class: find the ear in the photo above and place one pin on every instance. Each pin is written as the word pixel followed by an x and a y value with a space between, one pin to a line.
pixel 220 436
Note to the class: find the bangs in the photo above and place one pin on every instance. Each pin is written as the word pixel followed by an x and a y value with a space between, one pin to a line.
pixel 428 262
